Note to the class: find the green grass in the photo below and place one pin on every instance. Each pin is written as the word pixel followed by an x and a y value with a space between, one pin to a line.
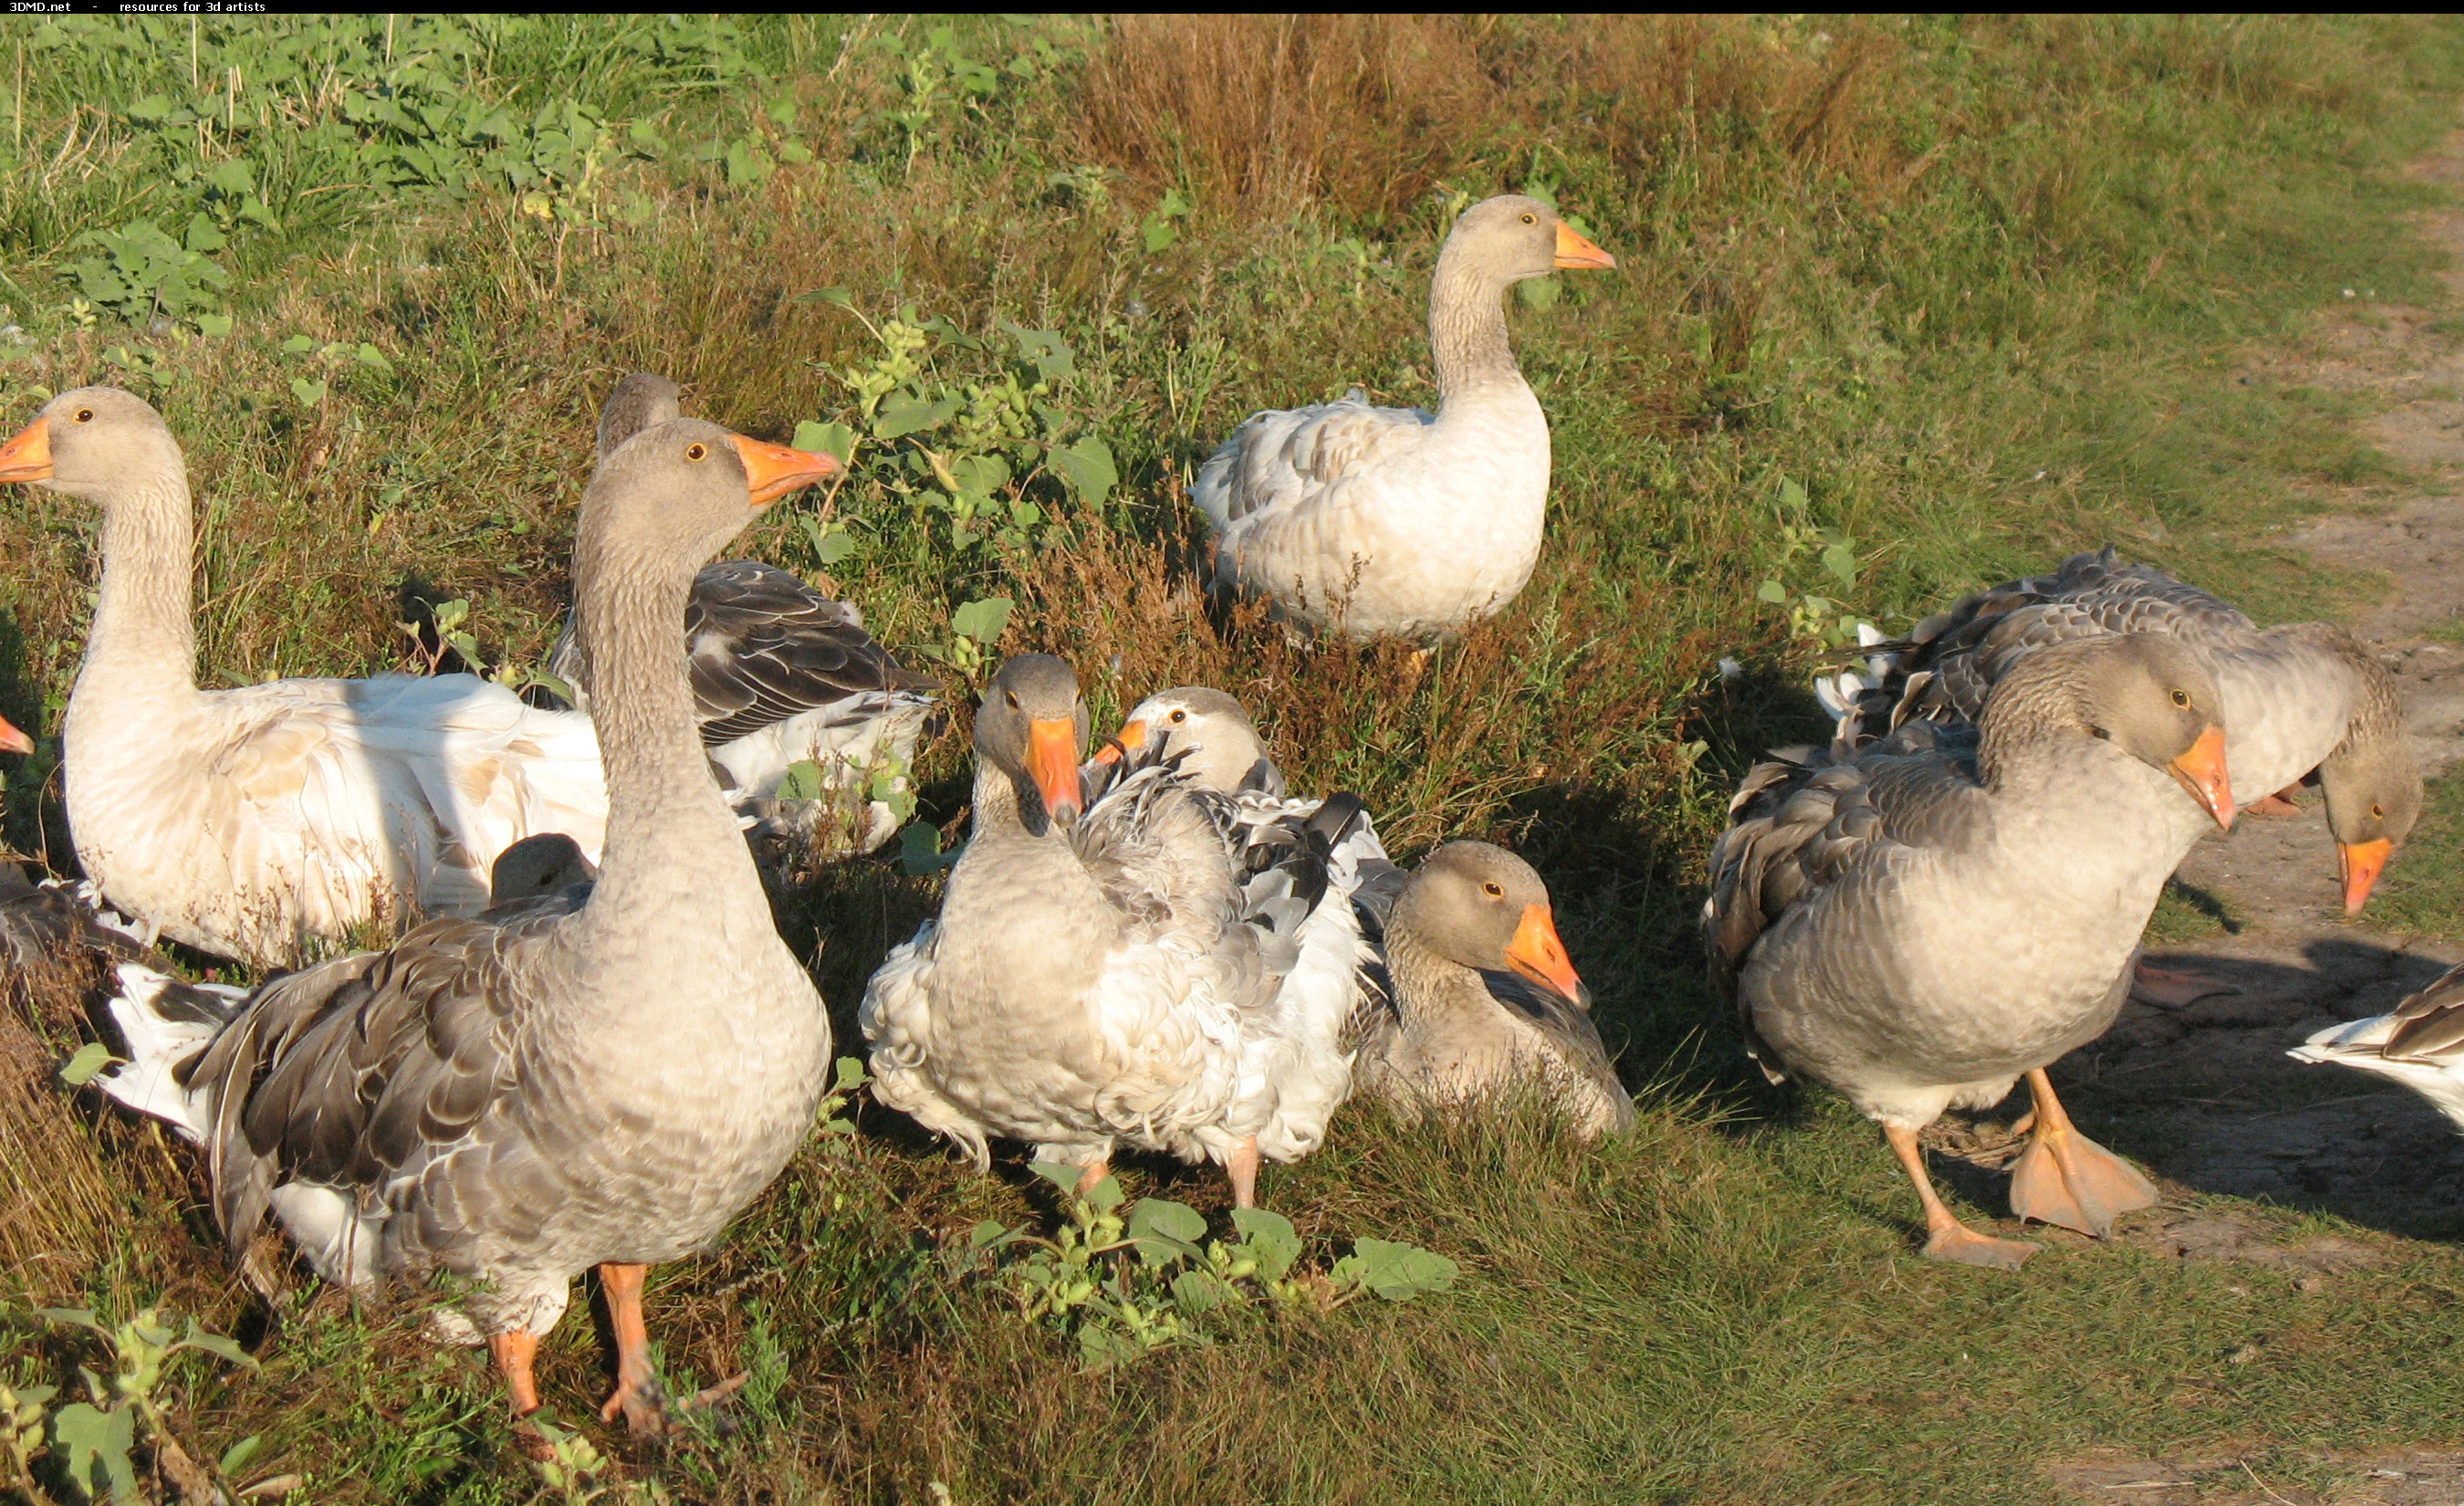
pixel 1974 291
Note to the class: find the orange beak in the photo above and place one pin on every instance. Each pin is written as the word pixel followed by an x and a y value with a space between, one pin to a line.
pixel 2201 772
pixel 1537 954
pixel 772 471
pixel 1131 737
pixel 2362 863
pixel 28 458
pixel 1575 253
pixel 13 740
pixel 1052 763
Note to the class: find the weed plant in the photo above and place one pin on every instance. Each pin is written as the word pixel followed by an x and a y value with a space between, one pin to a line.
pixel 1906 304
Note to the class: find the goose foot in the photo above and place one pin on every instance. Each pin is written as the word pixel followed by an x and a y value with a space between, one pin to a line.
pixel 1240 1163
pixel 2174 989
pixel 2279 804
pixel 1091 1176
pixel 513 1354
pixel 1947 1238
pixel 639 1395
pixel 2067 1179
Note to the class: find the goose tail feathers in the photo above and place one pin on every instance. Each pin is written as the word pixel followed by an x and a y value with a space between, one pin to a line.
pixel 166 1025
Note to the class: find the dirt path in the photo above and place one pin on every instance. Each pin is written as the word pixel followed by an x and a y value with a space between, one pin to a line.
pixel 2203 1094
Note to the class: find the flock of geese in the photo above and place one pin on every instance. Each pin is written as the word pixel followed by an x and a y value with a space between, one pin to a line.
pixel 595 1050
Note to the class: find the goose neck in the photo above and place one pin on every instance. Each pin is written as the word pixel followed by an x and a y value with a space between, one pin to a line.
pixel 1468 337
pixel 144 639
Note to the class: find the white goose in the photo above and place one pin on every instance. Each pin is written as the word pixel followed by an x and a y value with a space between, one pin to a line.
pixel 1357 520
pixel 781 673
pixel 567 1082
pixel 248 822
pixel 2421 1045
pixel 1095 974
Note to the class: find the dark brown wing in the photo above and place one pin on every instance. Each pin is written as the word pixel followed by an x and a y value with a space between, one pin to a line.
pixel 766 647
pixel 355 1072
pixel 2431 1024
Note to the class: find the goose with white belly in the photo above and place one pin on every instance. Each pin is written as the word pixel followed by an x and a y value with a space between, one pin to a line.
pixel 1356 520
pixel 248 822
pixel 1920 922
pixel 597 1078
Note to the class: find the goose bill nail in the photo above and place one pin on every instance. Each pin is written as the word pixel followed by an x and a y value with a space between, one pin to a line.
pixel 1574 253
pixel 28 458
pixel 1537 954
pixel 772 471
pixel 1052 762
pixel 2201 772
pixel 2362 863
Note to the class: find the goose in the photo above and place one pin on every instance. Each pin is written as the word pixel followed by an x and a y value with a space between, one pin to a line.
pixel 781 673
pixel 1094 972
pixel 1299 863
pixel 1482 996
pixel 1920 922
pixel 249 822
pixel 2421 1045
pixel 2300 697
pixel 1357 520
pixel 576 1081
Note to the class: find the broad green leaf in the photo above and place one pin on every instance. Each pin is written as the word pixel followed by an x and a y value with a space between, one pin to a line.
pixel 310 393
pixel 830 541
pixel 978 476
pixel 202 236
pixel 87 1064
pixel 992 1234
pixel 1539 291
pixel 1166 1231
pixel 1791 496
pixel 1841 559
pixel 234 178
pixel 298 344
pixel 368 355
pixel 1771 592
pixel 1105 1195
pixel 213 1344
pixel 833 295
pixel 919 850
pixel 1270 1238
pixel 1393 1272
pixel 1087 467
pixel 834 439
pixel 1199 1292
pixel 981 620
pixel 239 1453
pixel 802 781
pixel 213 326
pixel 82 1317
pixel 903 413
pixel 89 1436
pixel 1160 235
pixel 1060 1173
pixel 851 1075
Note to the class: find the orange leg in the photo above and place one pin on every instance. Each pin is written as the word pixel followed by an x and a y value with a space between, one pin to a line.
pixel 638 1395
pixel 1947 1237
pixel 1242 1163
pixel 514 1353
pixel 1091 1175
pixel 2066 1177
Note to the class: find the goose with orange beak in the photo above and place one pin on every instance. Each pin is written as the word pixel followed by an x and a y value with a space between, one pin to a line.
pixel 1924 921
pixel 1484 999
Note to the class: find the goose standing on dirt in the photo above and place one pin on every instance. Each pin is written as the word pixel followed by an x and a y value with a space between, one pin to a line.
pixel 2300 697
pixel 1481 999
pixel 565 1083
pixel 248 822
pixel 1360 520
pixel 1923 922
pixel 1096 972
pixel 781 673
pixel 2420 1044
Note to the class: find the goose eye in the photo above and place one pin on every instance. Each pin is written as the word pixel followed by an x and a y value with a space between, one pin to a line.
pixel 1496 891
pixel 2378 813
pixel 1180 716
pixel 85 415
pixel 1531 219
pixel 697 451
pixel 2181 698
pixel 1013 699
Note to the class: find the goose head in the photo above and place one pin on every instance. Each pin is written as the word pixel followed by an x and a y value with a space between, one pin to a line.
pixel 1512 238
pixel 91 442
pixel 543 863
pixel 1483 910
pixel 1222 743
pixel 674 494
pixel 640 401
pixel 1032 727
pixel 2373 799
pixel 2144 693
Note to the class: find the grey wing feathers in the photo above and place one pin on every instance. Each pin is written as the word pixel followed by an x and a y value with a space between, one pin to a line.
pixel 766 647
pixel 1945 668
pixel 351 1073
pixel 2430 1025
pixel 1804 818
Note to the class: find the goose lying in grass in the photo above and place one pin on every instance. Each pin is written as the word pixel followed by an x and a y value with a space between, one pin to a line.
pixel 567 1082
pixel 2421 1045
pixel 248 822
pixel 2302 697
pixel 1921 921
pixel 1467 993
pixel 1355 519
pixel 1098 968
pixel 781 674
pixel 1483 997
